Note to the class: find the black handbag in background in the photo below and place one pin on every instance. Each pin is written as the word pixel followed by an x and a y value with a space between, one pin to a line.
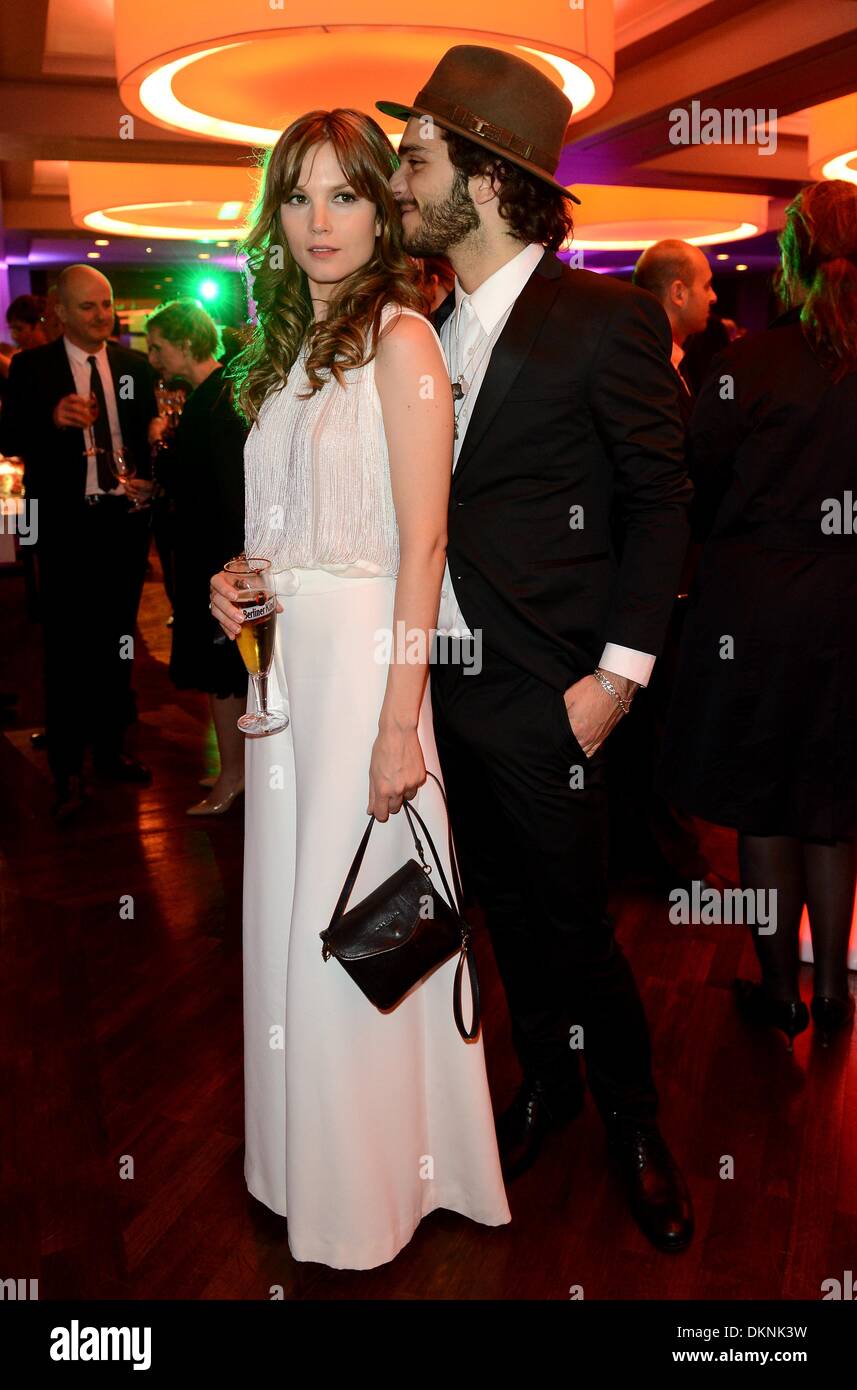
pixel 388 943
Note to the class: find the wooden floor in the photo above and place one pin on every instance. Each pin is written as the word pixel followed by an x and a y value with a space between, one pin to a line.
pixel 122 1044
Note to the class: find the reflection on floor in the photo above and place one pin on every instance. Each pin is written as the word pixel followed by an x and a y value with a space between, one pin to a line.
pixel 120 972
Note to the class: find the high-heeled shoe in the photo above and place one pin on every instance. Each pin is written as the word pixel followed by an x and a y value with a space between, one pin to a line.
pixel 210 807
pixel 755 1005
pixel 830 1014
pixel 207 781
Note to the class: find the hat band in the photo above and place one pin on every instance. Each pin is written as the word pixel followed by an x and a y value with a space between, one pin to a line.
pixel 498 135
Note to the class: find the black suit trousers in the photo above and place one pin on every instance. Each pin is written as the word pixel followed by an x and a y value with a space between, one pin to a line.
pixel 533 850
pixel 90 582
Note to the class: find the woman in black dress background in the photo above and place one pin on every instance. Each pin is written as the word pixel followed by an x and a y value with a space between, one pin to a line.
pixel 762 734
pixel 206 481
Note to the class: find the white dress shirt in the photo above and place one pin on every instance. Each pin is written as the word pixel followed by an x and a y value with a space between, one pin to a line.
pixel 465 336
pixel 676 357
pixel 77 358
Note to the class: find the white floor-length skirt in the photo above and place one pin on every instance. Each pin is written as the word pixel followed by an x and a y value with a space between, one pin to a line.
pixel 358 1123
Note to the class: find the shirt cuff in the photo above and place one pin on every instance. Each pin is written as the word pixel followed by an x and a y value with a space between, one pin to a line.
pixel 628 662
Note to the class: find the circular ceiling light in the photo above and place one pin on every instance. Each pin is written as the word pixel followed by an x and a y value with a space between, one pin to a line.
pixel 630 219
pixel 217 76
pixel 183 202
pixel 833 139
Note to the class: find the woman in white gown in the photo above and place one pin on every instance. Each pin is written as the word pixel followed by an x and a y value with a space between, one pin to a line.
pixel 358 1123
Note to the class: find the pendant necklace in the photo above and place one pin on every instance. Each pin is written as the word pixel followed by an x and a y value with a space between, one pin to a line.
pixel 459 385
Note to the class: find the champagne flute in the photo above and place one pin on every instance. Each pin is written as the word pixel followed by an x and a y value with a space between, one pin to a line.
pixel 122 466
pixel 253 577
pixel 93 449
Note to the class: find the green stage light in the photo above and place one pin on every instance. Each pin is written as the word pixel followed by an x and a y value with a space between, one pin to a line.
pixel 209 289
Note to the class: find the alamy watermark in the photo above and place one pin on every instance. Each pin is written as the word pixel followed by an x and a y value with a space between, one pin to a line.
pixel 433 646
pixel 22 522
pixel 706 906
pixel 734 125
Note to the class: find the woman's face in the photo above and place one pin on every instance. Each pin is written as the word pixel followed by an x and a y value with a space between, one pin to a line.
pixel 169 359
pixel 330 229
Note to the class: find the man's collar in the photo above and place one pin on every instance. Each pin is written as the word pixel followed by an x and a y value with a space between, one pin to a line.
pixel 495 295
pixel 74 351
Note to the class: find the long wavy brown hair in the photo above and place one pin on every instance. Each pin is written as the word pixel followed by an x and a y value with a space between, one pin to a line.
pixel 819 270
pixel 348 336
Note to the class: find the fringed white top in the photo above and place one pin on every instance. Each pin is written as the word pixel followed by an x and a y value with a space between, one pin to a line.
pixel 317 475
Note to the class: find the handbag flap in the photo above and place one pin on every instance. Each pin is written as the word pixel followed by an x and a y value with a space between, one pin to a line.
pixel 389 916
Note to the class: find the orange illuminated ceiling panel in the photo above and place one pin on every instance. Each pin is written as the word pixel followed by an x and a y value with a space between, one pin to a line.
pixel 201 66
pixel 190 202
pixel 628 219
pixel 833 139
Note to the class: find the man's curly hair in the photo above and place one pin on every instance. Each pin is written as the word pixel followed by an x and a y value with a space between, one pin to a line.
pixel 534 211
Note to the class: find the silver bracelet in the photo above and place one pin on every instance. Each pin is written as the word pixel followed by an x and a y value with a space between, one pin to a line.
pixel 611 689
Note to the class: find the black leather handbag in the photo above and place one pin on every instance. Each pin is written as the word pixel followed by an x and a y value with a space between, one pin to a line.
pixel 404 928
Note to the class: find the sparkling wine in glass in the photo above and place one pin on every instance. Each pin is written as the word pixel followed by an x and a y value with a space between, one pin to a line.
pixel 92 450
pixel 122 466
pixel 253 578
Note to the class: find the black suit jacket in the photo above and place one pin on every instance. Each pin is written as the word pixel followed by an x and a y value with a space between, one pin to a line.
pixel 54 463
pixel 578 408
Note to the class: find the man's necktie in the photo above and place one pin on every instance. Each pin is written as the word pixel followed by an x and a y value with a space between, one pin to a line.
pixel 101 430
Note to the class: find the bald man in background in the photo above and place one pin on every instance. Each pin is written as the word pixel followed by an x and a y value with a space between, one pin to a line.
pixel 91 547
pixel 665 841
pixel 680 278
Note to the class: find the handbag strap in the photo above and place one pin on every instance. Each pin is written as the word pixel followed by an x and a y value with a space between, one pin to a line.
pixel 453 858
pixel 466 955
pixel 455 902
pixel 351 876
pixel 410 811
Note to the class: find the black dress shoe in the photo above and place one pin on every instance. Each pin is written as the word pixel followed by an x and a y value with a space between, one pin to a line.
pixel 830 1015
pixel 657 1192
pixel 537 1109
pixel 755 1005
pixel 39 739
pixel 123 769
pixel 70 797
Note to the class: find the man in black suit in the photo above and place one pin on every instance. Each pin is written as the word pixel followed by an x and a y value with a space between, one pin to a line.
pixel 680 278
pixel 652 834
pixel 566 414
pixel 91 545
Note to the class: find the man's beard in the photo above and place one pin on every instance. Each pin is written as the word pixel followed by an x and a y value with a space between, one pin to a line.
pixel 444 224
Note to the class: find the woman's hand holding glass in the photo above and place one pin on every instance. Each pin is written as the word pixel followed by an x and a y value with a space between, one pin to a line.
pixel 253 586
pixel 223 604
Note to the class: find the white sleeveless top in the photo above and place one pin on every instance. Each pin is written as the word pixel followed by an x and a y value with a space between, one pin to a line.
pixel 317 475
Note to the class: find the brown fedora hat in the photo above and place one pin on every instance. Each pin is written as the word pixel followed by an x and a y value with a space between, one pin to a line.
pixel 497 100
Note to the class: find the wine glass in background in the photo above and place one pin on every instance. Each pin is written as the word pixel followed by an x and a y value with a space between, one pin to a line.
pixel 92 449
pixel 122 466
pixel 253 578
pixel 175 406
pixel 170 404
